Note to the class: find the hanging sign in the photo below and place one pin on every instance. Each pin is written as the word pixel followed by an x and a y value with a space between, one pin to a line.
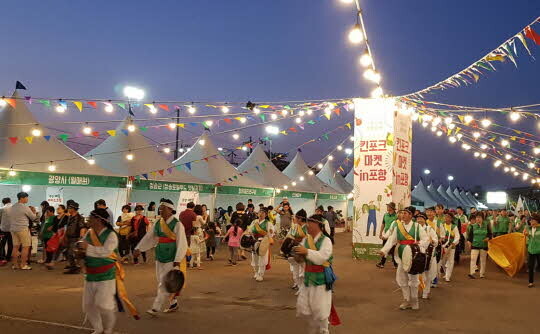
pixel 46 179
pixel 186 197
pixel 172 186
pixel 230 190
pixel 55 196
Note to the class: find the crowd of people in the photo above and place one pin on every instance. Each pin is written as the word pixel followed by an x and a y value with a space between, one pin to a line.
pixel 180 242
pixel 425 246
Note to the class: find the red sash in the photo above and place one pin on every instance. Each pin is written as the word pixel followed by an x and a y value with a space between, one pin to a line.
pixel 311 268
pixel 406 242
pixel 99 270
pixel 165 240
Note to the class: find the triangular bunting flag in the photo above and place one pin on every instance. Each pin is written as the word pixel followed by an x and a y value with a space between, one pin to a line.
pixel 227 120
pixel 145 176
pixel 235 177
pixel 188 165
pixel 111 133
pixel 325 136
pixel 92 104
pixel 257 168
pixel 29 99
pixel 153 174
pixel 524 42
pixel 530 33
pixel 126 132
pixel 143 128
pixel 164 107
pixel 29 139
pixel 348 125
pixel 95 134
pixel 46 103
pixel 182 125
pixel 13 140
pixel 78 104
pixel 63 137
pixel 263 117
pixel 47 138
pixel 337 111
pixel 327 116
pixel 19 85
pixel 161 172
pixel 12 102
pixel 122 105
pixel 311 122
pixel 169 170
pixel 179 167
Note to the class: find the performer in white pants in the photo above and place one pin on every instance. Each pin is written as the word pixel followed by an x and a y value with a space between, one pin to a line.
pixel 449 242
pixel 260 228
pixel 99 303
pixel 405 233
pixel 315 295
pixel 298 232
pixel 429 275
pixel 478 237
pixel 169 237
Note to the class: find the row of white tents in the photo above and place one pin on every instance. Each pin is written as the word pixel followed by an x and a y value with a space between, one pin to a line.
pixel 203 166
pixel 432 195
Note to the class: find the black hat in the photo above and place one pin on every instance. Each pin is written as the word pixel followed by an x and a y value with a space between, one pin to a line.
pixel 74 205
pixel 421 215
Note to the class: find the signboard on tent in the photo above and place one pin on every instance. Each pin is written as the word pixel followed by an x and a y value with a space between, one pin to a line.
pixel 46 179
pixel 55 196
pixel 382 168
pixel 172 186
pixel 186 197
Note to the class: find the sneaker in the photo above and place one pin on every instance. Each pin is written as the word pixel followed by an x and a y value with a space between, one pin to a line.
pixel 435 280
pixel 294 287
pixel 234 264
pixel 259 279
pixel 530 285
pixel 152 312
pixel 211 257
pixel 471 276
pixel 380 265
pixel 73 271
pixel 26 267
pixel 405 305
pixel 172 308
pixel 41 261
pixel 433 285
pixel 415 305
pixel 425 296
pixel 482 276
pixel 255 276
pixel 447 279
pixel 15 266
pixel 244 257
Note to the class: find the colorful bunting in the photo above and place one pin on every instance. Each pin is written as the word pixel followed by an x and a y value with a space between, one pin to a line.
pixel 29 139
pixel 111 133
pixel 64 137
pixel 78 104
pixel 13 140
pixel 92 104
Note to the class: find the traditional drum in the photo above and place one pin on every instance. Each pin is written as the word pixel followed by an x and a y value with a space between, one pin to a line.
pixel 247 242
pixel 430 252
pixel 262 245
pixel 288 245
pixel 413 260
pixel 79 252
pixel 173 281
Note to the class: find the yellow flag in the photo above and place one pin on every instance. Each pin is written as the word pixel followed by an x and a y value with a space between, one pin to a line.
pixel 348 125
pixel 29 139
pixel 495 58
pixel 508 252
pixel 328 116
pixel 111 133
pixel 449 132
pixel 513 138
pixel 182 125
pixel 78 104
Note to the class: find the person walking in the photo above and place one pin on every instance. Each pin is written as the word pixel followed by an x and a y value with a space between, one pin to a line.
pixel 19 214
pixel 233 236
pixel 101 204
pixel 139 224
pixel 211 231
pixel 5 235
pixel 332 218
pixel 532 233
pixel 124 222
pixel 47 232
pixel 389 217
pixel 187 217
pixel 478 236
pixel 285 219
pixel 245 219
pixel 75 230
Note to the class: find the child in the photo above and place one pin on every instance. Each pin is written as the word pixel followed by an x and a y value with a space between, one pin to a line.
pixel 233 235
pixel 47 231
pixel 139 225
pixel 197 242
pixel 124 222
pixel 210 234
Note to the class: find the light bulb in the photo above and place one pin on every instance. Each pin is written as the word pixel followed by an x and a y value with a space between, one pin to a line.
pixel 483 146
pixel 274 117
pixel 433 128
pixel 91 161
pixel 377 92
pixel 476 154
pixel 350 195
pixel 172 126
pixel 152 109
pixel 256 111
pixel 459 136
pixel 225 109
pixel 235 136
pixel 452 126
pixel 356 35
pixel 439 133
pixel 278 191
pixel 365 59
pixel 330 158
pixel 167 150
pixel 536 150
pixel 514 116
pixel 87 130
pixel 309 111
pixel 131 128
pixel 448 120
pixel 486 122
pixel 468 119
pixel 328 111
pixel 301 178
pixel 425 124
pixel 293 183
pixel 530 165
pixel 516 173
pixel 181 150
pixel 508 157
pixel 60 108
pixel 202 142
pixel 220 149
pixel 109 108
pixel 428 118
pixel 414 116
pixel 506 169
pixel 12 173
pixel 436 121
pixel 285 187
pixel 483 155
pixel 244 148
pixel 497 163
pixel 351 106
pixel 3 103
pixel 51 168
pixel 351 138
pixel 284 112
pixel 298 120
pixel 209 123
pixel 476 135
pixel 36 132
pixel 348 151
pixel 130 156
pixel 192 109
pixel 504 143
pixel 347 1
pixel 320 166
pixel 525 176
pixel 301 113
pixel 243 120
pixel 372 75
pixel 311 172
pixel 339 147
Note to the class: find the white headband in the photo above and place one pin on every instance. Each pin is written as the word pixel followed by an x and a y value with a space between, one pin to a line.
pixel 169 205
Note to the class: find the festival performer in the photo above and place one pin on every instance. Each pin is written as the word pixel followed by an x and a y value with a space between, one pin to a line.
pixel 320 211
pixel 404 234
pixel 439 215
pixel 429 276
pixel 502 224
pixel 389 217
pixel 104 276
pixel 261 228
pixel 315 295
pixel 478 236
pixel 168 236
pixel 297 232
pixel 532 233
pixel 439 229
pixel 450 240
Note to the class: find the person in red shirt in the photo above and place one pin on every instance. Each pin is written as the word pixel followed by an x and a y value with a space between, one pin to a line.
pixel 187 217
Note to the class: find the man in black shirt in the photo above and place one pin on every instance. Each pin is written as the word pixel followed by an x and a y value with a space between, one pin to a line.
pixel 75 230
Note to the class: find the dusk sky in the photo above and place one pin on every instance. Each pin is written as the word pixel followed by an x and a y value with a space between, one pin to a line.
pixel 277 50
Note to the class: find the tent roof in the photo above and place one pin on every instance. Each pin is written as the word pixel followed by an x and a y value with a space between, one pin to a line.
pixel 298 167
pixel 350 177
pixel 216 169
pixel 451 203
pixel 147 159
pixel 453 196
pixel 466 199
pixel 420 192
pixel 472 198
pixel 331 177
pixel 36 157
pixel 268 174
pixel 435 194
pixel 463 204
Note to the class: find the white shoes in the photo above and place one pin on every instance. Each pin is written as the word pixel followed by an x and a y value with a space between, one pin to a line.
pixel 259 278
pixel 26 267
pixel 405 305
pixel 415 305
pixel 152 312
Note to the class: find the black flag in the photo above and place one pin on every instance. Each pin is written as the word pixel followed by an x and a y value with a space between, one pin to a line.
pixel 19 85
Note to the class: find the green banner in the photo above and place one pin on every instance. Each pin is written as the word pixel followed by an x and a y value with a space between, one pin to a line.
pixel 172 186
pixel 57 179
pixel 230 190
pixel 333 197
pixel 295 194
pixel 366 251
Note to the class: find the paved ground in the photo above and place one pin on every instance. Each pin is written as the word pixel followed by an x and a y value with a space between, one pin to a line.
pixel 221 299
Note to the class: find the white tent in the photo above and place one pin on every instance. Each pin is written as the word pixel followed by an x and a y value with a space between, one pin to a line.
pixel 462 202
pixel 435 194
pixel 350 177
pixel 473 199
pixel 36 156
pixel 422 194
pixel 298 167
pixel 449 202
pixel 334 179
pixel 466 199
pixel 74 178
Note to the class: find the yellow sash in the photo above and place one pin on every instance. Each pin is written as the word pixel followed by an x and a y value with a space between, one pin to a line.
pixel 165 229
pixel 259 229
pixel 432 225
pixel 311 245
pixel 300 230
pixel 404 231
pixel 119 277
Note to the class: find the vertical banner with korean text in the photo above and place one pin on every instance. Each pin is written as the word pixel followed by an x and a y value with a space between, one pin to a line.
pixel 381 169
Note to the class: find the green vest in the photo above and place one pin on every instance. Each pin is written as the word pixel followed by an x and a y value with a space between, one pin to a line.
pixel 388 219
pixel 315 279
pixel 95 262
pixel 45 233
pixel 501 226
pixel 449 235
pixel 533 241
pixel 297 235
pixel 521 228
pixel 479 234
pixel 165 252
pixel 263 225
pixel 401 237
